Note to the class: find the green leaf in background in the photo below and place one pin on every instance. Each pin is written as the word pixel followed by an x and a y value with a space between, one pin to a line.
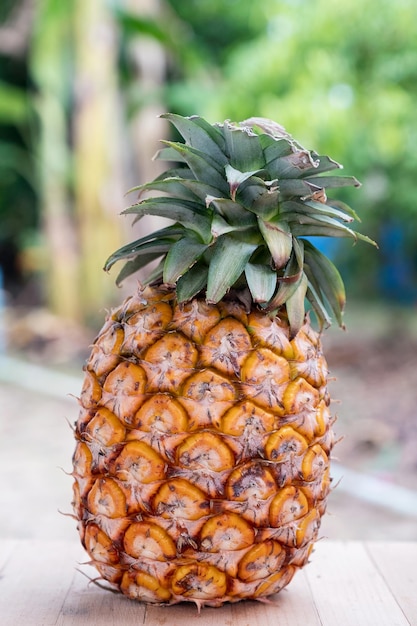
pixel 15 105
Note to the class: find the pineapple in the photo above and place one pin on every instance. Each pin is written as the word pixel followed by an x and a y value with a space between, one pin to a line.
pixel 201 469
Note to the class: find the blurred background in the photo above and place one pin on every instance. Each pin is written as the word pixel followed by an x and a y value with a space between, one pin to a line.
pixel 82 85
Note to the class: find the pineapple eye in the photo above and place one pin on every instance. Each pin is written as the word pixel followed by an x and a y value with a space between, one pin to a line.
pixel 177 498
pixel 105 428
pixel 140 463
pixel 261 561
pixel 148 540
pixel 265 377
pixel 199 580
pixel 107 498
pixel 227 531
pixel 205 451
pixel 284 443
pixel 288 505
pixel 252 480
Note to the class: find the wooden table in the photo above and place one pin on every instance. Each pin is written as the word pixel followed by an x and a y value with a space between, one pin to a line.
pixel 346 584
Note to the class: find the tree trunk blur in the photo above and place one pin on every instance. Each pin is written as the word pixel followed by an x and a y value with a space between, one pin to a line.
pixel 146 129
pixel 49 68
pixel 149 61
pixel 98 165
pixel 89 153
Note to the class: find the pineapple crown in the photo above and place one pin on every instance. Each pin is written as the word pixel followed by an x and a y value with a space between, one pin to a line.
pixel 245 198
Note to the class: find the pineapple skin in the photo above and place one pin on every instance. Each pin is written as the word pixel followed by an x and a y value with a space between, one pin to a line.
pixel 201 467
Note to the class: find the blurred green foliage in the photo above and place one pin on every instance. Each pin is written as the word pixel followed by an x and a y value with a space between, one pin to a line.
pixel 19 208
pixel 340 77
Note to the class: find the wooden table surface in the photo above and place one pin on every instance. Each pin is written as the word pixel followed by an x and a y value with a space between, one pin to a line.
pixel 346 584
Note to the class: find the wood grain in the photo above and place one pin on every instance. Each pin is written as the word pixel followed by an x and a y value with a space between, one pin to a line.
pixel 397 562
pixel 346 584
pixel 349 590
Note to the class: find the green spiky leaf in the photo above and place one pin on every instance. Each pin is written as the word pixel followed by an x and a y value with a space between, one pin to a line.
pixel 244 149
pixel 262 281
pixel 321 164
pixel 265 201
pixel 275 149
pixel 318 306
pixel 293 165
pixel 235 178
pixel 260 197
pixel 277 235
pixel 198 136
pixel 321 221
pixel 311 208
pixel 191 283
pixel 327 277
pixel 228 261
pixel 296 187
pixel 191 214
pixel 200 189
pixel 181 256
pixel 169 153
pixel 202 165
pixel 332 182
pixel 213 130
pixel 295 306
pixel 231 211
pixel 290 280
pixel 166 235
pixel 243 199
pixel 173 186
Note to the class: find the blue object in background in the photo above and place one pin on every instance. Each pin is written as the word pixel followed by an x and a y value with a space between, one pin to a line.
pixel 326 245
pixel 398 271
